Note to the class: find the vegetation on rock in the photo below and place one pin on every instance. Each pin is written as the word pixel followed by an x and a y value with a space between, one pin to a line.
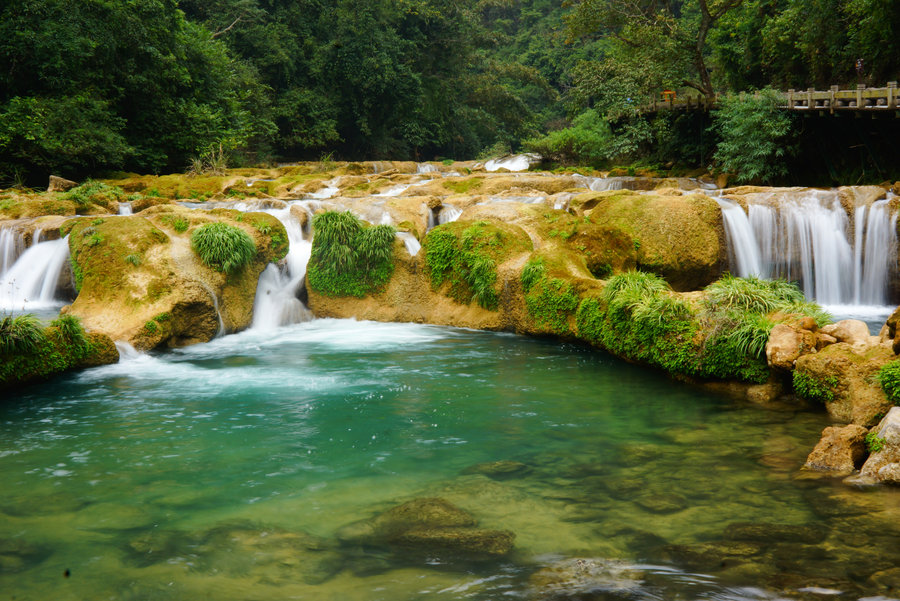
pixel 807 386
pixel 349 258
pixel 889 378
pixel 223 247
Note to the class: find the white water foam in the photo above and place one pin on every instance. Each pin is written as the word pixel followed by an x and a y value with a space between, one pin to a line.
pixel 32 282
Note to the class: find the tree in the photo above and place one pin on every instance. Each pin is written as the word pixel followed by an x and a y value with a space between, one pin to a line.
pixel 671 35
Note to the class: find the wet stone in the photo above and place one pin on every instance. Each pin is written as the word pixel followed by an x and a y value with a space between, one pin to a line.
pixel 585 578
pixel 712 556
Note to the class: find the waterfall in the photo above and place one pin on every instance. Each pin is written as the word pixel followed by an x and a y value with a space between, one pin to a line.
pixel 125 208
pixel 448 213
pixel 31 282
pixel 276 302
pixel 12 243
pixel 805 237
pixel 412 245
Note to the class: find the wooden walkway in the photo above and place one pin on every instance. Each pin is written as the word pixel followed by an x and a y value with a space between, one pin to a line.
pixel 858 100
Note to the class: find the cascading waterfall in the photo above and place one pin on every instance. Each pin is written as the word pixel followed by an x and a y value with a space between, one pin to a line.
pixel 32 282
pixel 805 237
pixel 12 244
pixel 276 302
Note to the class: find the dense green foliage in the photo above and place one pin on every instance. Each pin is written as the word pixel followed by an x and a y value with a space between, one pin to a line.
pixel 874 443
pixel 223 247
pixel 348 258
pixel 755 135
pixel 154 85
pixel 22 334
pixel 889 378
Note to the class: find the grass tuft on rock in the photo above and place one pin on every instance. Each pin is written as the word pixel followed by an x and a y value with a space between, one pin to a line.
pixel 223 247
pixel 889 378
pixel 20 335
pixel 348 258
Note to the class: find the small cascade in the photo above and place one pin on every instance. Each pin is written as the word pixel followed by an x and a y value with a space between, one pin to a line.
pixel 331 188
pixel 426 168
pixel 125 209
pixel 602 184
pixel 412 245
pixel 518 162
pixel 12 244
pixel 32 282
pixel 449 213
pixel 806 236
pixel 276 302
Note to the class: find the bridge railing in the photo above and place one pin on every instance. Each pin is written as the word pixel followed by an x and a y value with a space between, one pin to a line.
pixel 834 99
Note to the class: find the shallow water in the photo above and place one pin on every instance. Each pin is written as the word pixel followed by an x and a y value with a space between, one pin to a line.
pixel 228 471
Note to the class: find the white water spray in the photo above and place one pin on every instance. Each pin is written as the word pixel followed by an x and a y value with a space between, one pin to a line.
pixel 31 283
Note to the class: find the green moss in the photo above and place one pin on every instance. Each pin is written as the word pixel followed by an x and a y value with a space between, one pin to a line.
pixel 466 255
pixel 150 327
pixel 180 224
pixel 464 186
pixel 94 192
pixel 552 302
pixel 809 387
pixel 533 271
pixel 348 258
pixel 889 378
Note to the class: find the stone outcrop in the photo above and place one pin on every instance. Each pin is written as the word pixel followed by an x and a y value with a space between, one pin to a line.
pixel 60 184
pixel 786 344
pixel 883 466
pixel 841 450
pixel 139 280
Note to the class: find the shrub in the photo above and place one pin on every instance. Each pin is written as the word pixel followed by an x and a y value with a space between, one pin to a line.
pixel 181 225
pixel 588 141
pixel 223 247
pixel 755 135
pixel 889 378
pixel 533 271
pixel 20 335
pixel 347 258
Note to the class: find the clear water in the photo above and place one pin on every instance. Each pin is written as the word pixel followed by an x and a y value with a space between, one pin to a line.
pixel 226 470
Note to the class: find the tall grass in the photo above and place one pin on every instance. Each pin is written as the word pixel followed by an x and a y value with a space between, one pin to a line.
pixel 223 247
pixel 71 332
pixel 21 335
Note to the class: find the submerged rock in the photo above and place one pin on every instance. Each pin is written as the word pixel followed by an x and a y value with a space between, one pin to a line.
pixel 771 533
pixel 499 470
pixel 841 450
pixel 430 525
pixel 585 578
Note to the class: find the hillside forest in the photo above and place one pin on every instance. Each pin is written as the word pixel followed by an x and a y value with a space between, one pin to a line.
pixel 89 87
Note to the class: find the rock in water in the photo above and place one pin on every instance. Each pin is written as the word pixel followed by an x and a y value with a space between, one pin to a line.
pixel 884 465
pixel 841 450
pixel 584 578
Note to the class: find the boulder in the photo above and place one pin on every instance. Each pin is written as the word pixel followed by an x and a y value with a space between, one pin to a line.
pixel 786 344
pixel 841 450
pixel 851 331
pixel 680 238
pixel 849 376
pixel 884 465
pixel 60 184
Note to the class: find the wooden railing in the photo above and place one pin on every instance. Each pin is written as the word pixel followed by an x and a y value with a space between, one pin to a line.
pixel 834 99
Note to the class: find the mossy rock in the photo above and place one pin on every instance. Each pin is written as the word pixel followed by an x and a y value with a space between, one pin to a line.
pixel 681 238
pixel 22 206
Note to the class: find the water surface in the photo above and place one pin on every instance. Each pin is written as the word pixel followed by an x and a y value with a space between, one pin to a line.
pixel 229 471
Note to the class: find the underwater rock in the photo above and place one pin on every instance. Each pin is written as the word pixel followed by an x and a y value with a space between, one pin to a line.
pixel 770 533
pixel 840 450
pixel 499 470
pixel 17 555
pixel 884 466
pixel 432 525
pixel 661 503
pixel 585 578
pixel 715 555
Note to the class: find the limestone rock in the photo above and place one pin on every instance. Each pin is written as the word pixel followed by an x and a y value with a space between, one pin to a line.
pixel 884 465
pixel 841 450
pixel 60 184
pixel 849 375
pixel 499 470
pixel 680 238
pixel 786 344
pixel 851 331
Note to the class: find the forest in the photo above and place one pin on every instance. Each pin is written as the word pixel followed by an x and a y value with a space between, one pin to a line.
pixel 97 86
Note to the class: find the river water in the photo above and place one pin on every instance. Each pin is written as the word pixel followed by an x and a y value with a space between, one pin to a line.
pixel 228 470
